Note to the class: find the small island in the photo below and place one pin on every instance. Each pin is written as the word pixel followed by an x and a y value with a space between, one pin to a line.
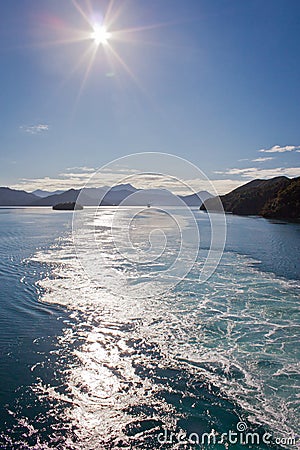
pixel 70 206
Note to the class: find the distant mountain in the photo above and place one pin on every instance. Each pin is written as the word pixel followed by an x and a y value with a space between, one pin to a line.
pixel 12 197
pixel 277 198
pixel 66 197
pixel 89 196
pixel 42 194
pixel 196 199
pixel 154 197
pixel 115 196
pixel 107 196
pixel 124 187
pixel 142 197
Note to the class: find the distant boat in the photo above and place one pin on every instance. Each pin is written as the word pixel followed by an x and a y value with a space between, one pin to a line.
pixel 70 206
pixel 148 205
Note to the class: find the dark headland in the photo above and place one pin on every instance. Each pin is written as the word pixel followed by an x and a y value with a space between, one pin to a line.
pixel 278 198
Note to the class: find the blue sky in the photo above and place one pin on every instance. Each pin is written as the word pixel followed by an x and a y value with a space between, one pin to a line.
pixel 213 81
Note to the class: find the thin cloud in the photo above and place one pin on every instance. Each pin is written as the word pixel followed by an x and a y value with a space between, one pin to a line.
pixel 119 169
pixel 77 180
pixel 263 159
pixel 35 129
pixel 256 172
pixel 81 169
pixel 279 149
pixel 220 186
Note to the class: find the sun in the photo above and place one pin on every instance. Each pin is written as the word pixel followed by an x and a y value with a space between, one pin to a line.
pixel 100 35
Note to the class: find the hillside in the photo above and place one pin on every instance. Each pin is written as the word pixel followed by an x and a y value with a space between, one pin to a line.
pixel 286 204
pixel 12 197
pixel 275 198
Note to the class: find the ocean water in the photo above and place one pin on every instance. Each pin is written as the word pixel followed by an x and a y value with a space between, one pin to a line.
pixel 84 366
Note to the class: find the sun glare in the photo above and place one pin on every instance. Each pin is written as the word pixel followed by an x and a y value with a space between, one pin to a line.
pixel 100 35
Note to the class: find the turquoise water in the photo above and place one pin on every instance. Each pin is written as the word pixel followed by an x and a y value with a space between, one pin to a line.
pixel 83 367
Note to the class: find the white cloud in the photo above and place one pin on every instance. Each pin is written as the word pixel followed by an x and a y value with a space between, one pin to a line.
pixel 35 129
pixel 82 169
pixel 262 159
pixel 225 186
pixel 78 179
pixel 51 183
pixel 279 149
pixel 119 169
pixel 256 172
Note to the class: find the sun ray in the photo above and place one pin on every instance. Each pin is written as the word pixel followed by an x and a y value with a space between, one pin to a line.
pixel 131 74
pixel 111 17
pixel 123 64
pixel 102 32
pixel 81 12
pixel 152 26
pixel 80 63
pixel 77 38
pixel 87 72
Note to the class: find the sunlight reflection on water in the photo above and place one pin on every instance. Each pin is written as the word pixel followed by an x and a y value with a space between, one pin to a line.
pixel 235 336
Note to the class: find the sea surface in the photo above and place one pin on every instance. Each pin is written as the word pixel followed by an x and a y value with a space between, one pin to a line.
pixel 83 366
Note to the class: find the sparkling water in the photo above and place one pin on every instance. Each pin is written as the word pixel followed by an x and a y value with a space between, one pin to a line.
pixel 85 366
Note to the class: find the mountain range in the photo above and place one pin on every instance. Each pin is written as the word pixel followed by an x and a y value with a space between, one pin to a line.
pixel 41 193
pixel 277 198
pixel 91 196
